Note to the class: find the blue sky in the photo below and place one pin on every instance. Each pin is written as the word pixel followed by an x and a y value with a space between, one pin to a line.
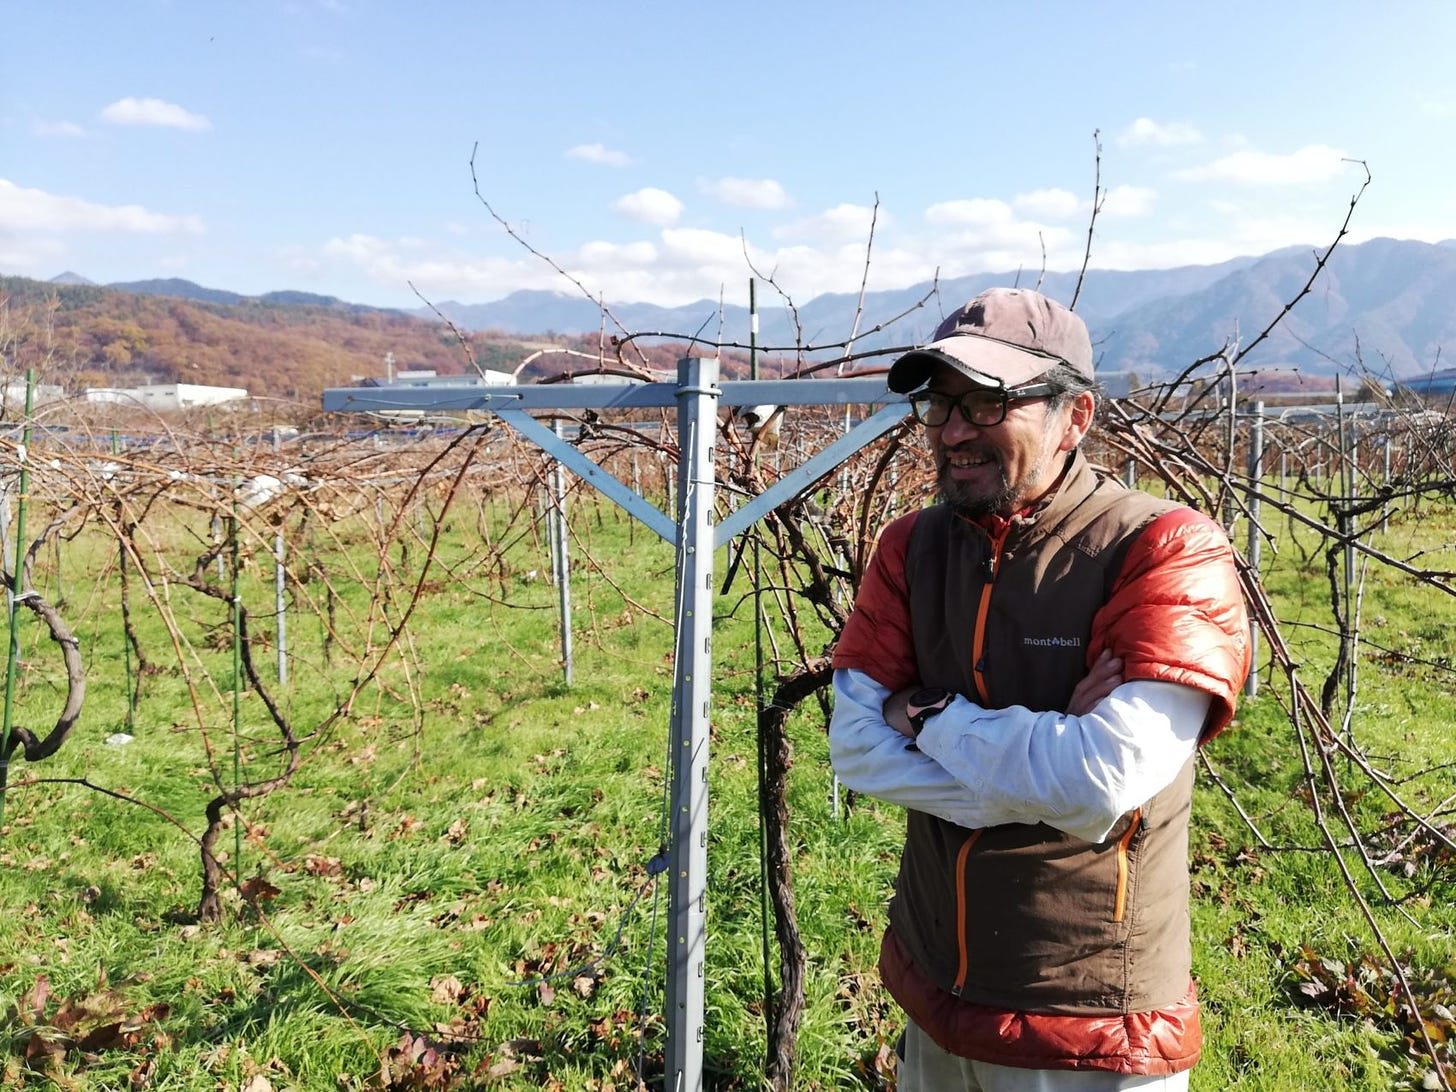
pixel 325 146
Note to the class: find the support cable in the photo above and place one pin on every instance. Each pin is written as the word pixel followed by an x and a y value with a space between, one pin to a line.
pixel 655 867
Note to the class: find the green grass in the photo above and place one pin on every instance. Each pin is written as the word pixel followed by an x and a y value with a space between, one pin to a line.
pixel 474 826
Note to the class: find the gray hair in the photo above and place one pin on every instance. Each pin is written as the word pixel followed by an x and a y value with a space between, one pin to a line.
pixel 1069 382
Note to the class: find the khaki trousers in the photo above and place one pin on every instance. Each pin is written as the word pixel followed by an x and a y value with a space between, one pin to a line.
pixel 924 1067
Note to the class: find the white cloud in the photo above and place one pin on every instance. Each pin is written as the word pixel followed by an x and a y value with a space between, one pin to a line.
pixel 1257 225
pixel 970 212
pixel 842 223
pixel 32 257
pixel 1043 205
pixel 1312 163
pixel 1054 204
pixel 599 153
pixel 32 210
pixel 700 245
pixel 978 235
pixel 133 111
pixel 681 266
pixel 1128 201
pixel 678 265
pixel 650 206
pixel 807 271
pixel 389 262
pixel 1146 132
pixel 640 270
pixel 1441 108
pixel 752 193
pixel 58 129
pixel 600 255
pixel 1243 225
pixel 363 248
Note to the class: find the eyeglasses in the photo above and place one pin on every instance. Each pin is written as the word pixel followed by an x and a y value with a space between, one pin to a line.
pixel 982 408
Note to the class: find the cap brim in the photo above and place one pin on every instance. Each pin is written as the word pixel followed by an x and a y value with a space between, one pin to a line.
pixel 984 361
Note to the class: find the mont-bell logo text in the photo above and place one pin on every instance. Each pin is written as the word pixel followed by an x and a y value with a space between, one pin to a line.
pixel 1052 642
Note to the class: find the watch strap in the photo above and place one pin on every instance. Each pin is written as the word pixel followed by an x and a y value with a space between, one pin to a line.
pixel 924 704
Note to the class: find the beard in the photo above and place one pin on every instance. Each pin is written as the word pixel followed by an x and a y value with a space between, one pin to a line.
pixel 1001 497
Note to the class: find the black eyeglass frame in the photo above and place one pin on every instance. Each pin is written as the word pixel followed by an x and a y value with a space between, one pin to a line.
pixel 991 411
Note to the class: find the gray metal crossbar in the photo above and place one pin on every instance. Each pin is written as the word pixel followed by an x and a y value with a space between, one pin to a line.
pixel 838 391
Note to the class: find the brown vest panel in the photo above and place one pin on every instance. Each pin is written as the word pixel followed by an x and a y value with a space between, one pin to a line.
pixel 1027 917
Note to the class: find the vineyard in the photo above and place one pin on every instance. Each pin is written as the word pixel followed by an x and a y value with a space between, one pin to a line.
pixel 299 794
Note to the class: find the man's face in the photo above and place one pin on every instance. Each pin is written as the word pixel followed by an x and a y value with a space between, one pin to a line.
pixel 1002 468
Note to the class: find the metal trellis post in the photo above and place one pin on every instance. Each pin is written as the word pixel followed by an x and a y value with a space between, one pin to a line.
pixel 697 417
pixel 561 559
pixel 697 395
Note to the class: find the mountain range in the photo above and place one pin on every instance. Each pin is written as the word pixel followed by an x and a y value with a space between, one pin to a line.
pixel 187 290
pixel 1386 307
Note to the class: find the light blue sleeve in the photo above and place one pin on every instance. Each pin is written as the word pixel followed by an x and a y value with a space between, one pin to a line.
pixel 984 767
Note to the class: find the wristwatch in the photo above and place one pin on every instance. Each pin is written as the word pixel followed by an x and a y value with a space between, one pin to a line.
pixel 924 704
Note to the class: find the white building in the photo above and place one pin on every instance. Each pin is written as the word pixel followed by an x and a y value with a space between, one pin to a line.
pixel 422 377
pixel 12 396
pixel 167 396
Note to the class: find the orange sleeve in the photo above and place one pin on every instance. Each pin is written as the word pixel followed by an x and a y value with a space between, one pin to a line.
pixel 877 638
pixel 1177 613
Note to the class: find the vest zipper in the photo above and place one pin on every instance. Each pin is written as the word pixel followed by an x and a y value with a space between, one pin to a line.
pixel 962 911
pixel 983 610
pixel 1119 906
pixel 978 651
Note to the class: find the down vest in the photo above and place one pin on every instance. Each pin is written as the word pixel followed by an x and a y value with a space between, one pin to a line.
pixel 1020 944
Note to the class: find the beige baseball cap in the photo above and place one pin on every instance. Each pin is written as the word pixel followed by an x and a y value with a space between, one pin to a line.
pixel 1003 338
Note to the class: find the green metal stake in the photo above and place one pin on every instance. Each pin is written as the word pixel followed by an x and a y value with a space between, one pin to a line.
pixel 12 660
pixel 125 640
pixel 752 328
pixel 237 611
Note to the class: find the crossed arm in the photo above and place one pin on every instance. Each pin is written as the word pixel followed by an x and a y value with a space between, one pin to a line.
pixel 1119 744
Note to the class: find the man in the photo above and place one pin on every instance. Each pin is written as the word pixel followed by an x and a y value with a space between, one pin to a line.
pixel 1029 669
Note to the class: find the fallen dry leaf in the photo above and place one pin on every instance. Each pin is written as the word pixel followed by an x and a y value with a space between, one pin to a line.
pixel 257 889
pixel 446 990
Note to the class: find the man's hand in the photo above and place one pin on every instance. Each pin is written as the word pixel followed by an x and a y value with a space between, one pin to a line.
pixel 1104 677
pixel 894 712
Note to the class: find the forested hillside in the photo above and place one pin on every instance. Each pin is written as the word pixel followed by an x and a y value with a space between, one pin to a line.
pixel 86 335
